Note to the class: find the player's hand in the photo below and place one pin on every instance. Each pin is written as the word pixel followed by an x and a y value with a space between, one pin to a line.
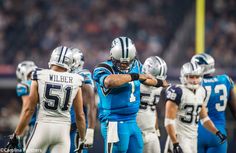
pixel 144 77
pixel 221 136
pixel 12 142
pixel 80 146
pixel 165 84
pixel 158 132
pixel 89 137
pixel 177 148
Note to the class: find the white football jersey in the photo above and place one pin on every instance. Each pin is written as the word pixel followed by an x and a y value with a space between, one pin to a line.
pixel 57 91
pixel 146 117
pixel 189 107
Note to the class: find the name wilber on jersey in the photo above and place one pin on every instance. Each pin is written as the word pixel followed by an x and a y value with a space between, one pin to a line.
pixel 56 78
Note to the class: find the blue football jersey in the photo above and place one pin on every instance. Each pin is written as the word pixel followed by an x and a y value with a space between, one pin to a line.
pixel 120 103
pixel 218 93
pixel 87 80
pixel 23 89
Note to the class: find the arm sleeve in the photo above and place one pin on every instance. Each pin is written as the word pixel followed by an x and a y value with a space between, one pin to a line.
pixel 101 72
pixel 22 89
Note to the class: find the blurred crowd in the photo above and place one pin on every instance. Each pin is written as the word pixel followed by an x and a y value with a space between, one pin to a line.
pixel 220 34
pixel 30 29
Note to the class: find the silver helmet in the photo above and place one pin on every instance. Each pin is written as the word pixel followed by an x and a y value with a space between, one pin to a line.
pixel 78 59
pixel 191 69
pixel 206 61
pixel 61 56
pixel 123 53
pixel 24 69
pixel 156 66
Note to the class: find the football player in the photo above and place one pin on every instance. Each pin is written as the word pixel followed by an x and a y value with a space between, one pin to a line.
pixel 118 84
pixel 147 117
pixel 23 75
pixel 184 107
pixel 220 93
pixel 56 90
pixel 88 101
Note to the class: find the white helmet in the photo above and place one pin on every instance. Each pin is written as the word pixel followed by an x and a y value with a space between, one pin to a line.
pixel 123 52
pixel 156 66
pixel 61 56
pixel 78 59
pixel 24 69
pixel 206 61
pixel 191 69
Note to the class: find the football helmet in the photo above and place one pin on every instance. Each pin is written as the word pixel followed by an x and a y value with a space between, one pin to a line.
pixel 24 69
pixel 123 53
pixel 155 66
pixel 61 56
pixel 206 61
pixel 189 70
pixel 78 59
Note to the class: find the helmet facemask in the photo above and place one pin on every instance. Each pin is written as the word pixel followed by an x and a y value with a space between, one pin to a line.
pixel 191 75
pixel 123 65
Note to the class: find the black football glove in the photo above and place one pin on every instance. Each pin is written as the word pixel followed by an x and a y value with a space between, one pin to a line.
pixel 13 142
pixel 221 136
pixel 80 146
pixel 177 148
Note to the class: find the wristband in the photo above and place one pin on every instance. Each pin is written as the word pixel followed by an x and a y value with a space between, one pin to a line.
pixel 159 83
pixel 134 76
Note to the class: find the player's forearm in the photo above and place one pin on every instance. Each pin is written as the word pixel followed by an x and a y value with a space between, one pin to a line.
pixel 209 125
pixel 116 80
pixel 24 120
pixel 171 132
pixel 80 123
pixel 92 118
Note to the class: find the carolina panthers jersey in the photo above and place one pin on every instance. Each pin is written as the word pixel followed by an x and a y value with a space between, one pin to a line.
pixel 86 74
pixel 120 103
pixel 57 91
pixel 189 106
pixel 146 117
pixel 218 93
pixel 23 89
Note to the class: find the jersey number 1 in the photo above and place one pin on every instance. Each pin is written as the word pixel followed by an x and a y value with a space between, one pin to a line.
pixel 53 100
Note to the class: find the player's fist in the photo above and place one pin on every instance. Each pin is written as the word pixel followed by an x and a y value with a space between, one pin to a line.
pixel 13 142
pixel 221 136
pixel 89 138
pixel 177 148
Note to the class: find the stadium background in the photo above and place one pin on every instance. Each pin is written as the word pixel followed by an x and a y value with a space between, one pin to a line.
pixel 30 29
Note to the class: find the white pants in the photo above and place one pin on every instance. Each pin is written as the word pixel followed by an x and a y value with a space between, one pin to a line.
pixel 151 142
pixel 188 145
pixel 55 136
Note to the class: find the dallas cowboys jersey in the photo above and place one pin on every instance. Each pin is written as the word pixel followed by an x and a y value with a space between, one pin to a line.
pixel 189 106
pixel 57 91
pixel 23 89
pixel 146 117
pixel 120 103
pixel 86 74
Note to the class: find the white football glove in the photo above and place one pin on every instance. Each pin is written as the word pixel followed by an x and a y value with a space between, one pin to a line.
pixel 89 137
